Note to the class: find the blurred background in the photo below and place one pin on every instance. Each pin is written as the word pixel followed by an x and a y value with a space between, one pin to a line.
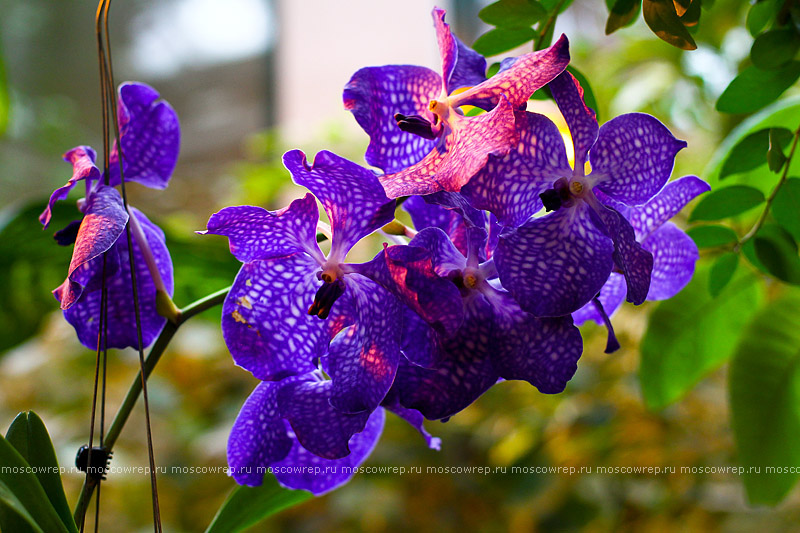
pixel 250 79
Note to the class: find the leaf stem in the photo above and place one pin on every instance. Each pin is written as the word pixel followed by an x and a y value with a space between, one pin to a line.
pixel 763 217
pixel 195 308
pixel 548 25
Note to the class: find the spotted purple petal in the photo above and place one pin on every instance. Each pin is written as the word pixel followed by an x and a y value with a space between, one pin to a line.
pixel 463 151
pixel 255 233
pixel 674 257
pixel 520 80
pixel 666 204
pixel 362 359
pixel 635 262
pixel 470 69
pixel 448 49
pixel 581 119
pixel 445 257
pixel 320 428
pixel 611 297
pixel 555 264
pixel 456 202
pixel 419 342
pixel 634 155
pixel 509 186
pixel 427 213
pixel 83 168
pixel 259 436
pixel 350 194
pixel 542 351
pixel 303 470
pixel 85 313
pixel 464 373
pixel 375 94
pixel 103 223
pixel 265 321
pixel 150 136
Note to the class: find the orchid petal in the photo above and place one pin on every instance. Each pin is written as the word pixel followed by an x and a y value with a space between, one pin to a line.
pixel 83 168
pixel 666 204
pixel 414 418
pixel 674 258
pixel 611 297
pixel 634 154
pixel 581 119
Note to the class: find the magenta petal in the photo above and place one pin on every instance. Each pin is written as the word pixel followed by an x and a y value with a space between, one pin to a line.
pixel 265 321
pixel 101 227
pixel 256 233
pixel 362 359
pixel 448 50
pixel 674 258
pixel 350 194
pixel 463 151
pixel 611 297
pixel 542 351
pixel 581 120
pixel 519 81
pixel 375 94
pixel 259 436
pixel 634 154
pixel 555 264
pixel 635 262
pixel 303 470
pixel 84 315
pixel 83 168
pixel 666 204
pixel 509 186
pixel 150 136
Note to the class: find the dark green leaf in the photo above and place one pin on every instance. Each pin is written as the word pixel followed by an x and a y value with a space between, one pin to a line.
pixel 691 16
pixel 722 272
pixel 246 506
pixel 786 207
pixel 749 153
pixel 681 6
pixel 764 385
pixel 712 235
pixel 550 5
pixel 660 15
pixel 501 40
pixel 493 69
pixel 29 436
pixel 13 515
pixel 776 251
pixel 753 88
pixel 773 49
pixel 691 334
pixel 513 13
pixel 726 202
pixel 760 15
pixel 19 480
pixel 588 93
pixel 621 13
pixel 775 157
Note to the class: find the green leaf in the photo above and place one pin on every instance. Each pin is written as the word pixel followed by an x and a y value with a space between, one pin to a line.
pixel 712 235
pixel 13 515
pixel 246 506
pixel 726 202
pixel 513 13
pixel 621 13
pixel 776 251
pixel 501 40
pixel 550 5
pixel 18 478
pixel 764 388
pixel 29 436
pixel 692 334
pixel 786 207
pixel 588 93
pixel 753 88
pixel 773 49
pixel 775 156
pixel 663 20
pixel 760 15
pixel 749 153
pixel 722 272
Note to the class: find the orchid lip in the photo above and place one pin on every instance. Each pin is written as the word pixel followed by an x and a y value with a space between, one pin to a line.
pixel 325 297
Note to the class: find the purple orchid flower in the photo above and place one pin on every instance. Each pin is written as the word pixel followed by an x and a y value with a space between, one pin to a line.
pixel 420 137
pixel 150 139
pixel 674 252
pixel 289 427
pixel 555 264
pixel 285 278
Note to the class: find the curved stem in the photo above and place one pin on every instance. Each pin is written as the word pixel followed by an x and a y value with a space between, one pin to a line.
pixel 195 308
pixel 763 217
pixel 548 26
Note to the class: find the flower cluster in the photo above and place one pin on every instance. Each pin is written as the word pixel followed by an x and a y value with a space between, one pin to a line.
pixel 149 144
pixel 489 288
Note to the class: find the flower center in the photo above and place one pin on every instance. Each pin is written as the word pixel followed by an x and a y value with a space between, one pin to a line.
pixel 325 297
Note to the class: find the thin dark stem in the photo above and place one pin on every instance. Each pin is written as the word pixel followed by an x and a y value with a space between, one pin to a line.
pixel 547 25
pixel 763 217
pixel 193 309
